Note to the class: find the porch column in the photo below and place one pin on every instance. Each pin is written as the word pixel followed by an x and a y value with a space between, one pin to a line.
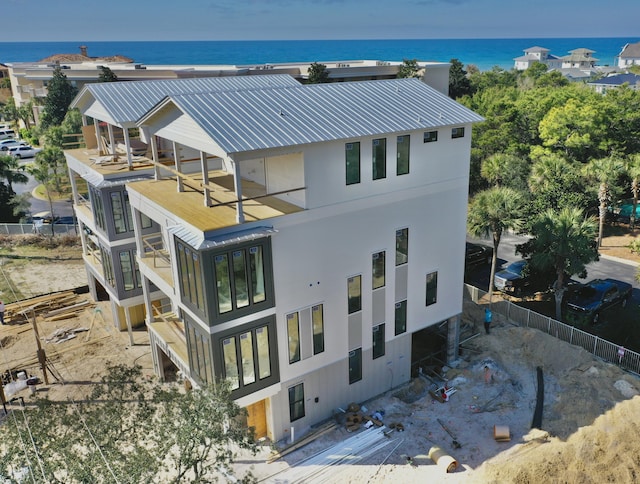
pixel 146 292
pixel 155 157
pixel 237 182
pixel 112 140
pixel 453 338
pixel 137 232
pixel 204 164
pixel 74 188
pixel 176 162
pixel 127 316
pixel 96 127
pixel 127 144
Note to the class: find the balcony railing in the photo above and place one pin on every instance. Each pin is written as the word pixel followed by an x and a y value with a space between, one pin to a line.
pixel 154 244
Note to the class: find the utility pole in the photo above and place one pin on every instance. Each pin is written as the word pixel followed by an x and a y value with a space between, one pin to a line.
pixel 42 357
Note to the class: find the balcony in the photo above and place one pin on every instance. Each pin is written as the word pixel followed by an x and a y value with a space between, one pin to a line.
pixel 188 204
pixel 156 259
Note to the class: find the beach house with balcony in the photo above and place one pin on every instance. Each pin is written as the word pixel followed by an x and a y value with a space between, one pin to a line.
pixel 299 241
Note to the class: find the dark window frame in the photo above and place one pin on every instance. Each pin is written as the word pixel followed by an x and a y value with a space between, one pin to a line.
pixel 431 296
pixel 379 158
pixel 378 333
pixel 296 402
pixel 400 318
pixel 430 137
pixel 403 154
pixel 352 163
pixel 355 365
pixel 457 132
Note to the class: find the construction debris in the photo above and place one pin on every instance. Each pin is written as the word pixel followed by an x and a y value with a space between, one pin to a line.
pixel 64 334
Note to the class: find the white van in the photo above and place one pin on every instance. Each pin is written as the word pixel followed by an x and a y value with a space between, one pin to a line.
pixel 7 133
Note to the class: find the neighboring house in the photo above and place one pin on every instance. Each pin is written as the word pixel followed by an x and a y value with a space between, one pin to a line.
pixel 291 239
pixel 536 54
pixel 616 81
pixel 579 59
pixel 629 55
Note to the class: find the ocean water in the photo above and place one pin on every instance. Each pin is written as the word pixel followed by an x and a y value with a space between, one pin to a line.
pixel 484 53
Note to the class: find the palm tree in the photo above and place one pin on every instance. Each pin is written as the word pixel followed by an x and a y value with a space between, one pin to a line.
pixel 491 212
pixel 12 171
pixel 633 170
pixel 40 172
pixel 502 169
pixel 605 172
pixel 563 241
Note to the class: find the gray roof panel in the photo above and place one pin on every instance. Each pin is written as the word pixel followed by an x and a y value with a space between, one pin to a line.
pixel 252 119
pixel 127 101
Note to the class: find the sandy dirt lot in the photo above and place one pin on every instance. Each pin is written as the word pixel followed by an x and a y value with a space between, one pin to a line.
pixel 590 420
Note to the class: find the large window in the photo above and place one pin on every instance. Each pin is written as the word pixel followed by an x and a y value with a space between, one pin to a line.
pixel 402 165
pixel 107 267
pixel 293 335
pixel 129 269
pixel 379 155
pixel 118 212
pixel 352 159
pixel 98 208
pixel 239 278
pixel 378 260
pixel 247 356
pixel 378 341
pixel 432 288
pixel 354 294
pixel 191 285
pixel 457 132
pixel 355 365
pixel 296 402
pixel 317 321
pixel 401 317
pixel 402 246
pixel 200 354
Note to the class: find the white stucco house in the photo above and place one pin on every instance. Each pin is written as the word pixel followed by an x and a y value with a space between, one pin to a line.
pixel 536 54
pixel 629 55
pixel 296 240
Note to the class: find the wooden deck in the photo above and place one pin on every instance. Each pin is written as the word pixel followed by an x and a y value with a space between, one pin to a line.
pixel 188 205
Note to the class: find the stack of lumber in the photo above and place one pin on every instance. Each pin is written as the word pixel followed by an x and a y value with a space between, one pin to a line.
pixel 51 307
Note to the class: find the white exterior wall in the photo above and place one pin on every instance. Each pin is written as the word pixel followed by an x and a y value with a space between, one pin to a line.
pixel 316 251
pixel 430 163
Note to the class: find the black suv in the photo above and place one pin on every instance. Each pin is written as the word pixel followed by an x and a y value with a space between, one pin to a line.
pixel 586 303
pixel 476 255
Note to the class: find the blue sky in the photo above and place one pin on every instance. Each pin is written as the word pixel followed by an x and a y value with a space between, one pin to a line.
pixel 83 20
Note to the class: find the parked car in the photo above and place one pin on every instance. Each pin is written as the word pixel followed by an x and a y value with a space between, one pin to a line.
pixel 585 304
pixel 477 255
pixel 518 276
pixel 64 220
pixel 5 144
pixel 23 151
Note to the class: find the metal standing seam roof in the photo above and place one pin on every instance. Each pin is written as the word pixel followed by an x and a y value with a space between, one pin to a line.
pixel 127 101
pixel 618 80
pixel 255 119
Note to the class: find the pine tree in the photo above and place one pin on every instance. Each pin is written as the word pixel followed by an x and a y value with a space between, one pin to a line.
pixel 59 97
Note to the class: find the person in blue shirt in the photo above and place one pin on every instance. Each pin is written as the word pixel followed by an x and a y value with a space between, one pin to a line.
pixel 487 319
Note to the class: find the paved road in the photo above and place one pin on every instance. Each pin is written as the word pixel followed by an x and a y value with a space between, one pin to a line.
pixel 605 267
pixel 619 325
pixel 60 209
